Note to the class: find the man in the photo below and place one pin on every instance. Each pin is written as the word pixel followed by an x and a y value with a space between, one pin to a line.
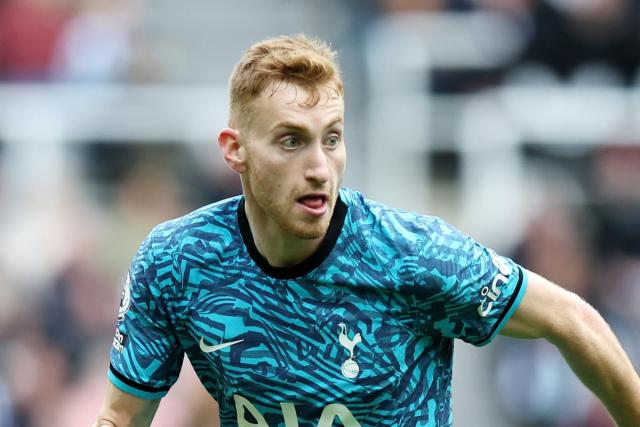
pixel 302 303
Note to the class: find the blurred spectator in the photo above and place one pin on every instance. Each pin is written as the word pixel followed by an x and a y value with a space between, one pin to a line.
pixel 616 199
pixel 515 9
pixel 569 35
pixel 95 46
pixel 535 384
pixel 148 195
pixel 78 309
pixel 403 6
pixel 35 368
pixel 77 403
pixel 55 343
pixel 594 251
pixel 29 31
pixel 6 414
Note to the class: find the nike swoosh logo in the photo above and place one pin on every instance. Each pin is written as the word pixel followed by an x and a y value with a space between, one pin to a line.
pixel 211 348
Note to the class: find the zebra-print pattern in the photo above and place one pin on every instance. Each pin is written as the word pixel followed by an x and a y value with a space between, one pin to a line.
pixel 389 298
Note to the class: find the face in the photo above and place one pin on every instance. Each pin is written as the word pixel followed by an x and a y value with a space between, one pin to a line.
pixel 295 158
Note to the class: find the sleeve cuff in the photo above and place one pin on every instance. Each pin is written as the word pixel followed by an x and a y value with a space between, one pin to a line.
pixel 512 305
pixel 131 387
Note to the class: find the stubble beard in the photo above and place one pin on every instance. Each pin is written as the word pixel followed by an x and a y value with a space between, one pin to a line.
pixel 282 212
pixel 307 230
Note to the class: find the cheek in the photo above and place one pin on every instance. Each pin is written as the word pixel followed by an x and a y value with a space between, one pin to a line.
pixel 270 171
pixel 341 162
pixel 265 182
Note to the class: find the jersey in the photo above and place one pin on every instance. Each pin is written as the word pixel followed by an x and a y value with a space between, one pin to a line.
pixel 359 334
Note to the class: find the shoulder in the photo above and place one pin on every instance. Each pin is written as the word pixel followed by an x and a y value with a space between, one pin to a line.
pixel 196 239
pixel 206 227
pixel 394 223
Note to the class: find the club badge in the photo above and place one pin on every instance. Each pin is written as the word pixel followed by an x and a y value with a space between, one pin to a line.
pixel 350 368
pixel 125 299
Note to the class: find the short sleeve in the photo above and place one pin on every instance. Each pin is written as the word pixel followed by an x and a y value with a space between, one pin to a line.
pixel 145 355
pixel 468 290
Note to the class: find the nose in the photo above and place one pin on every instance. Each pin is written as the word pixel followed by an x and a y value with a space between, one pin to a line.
pixel 317 166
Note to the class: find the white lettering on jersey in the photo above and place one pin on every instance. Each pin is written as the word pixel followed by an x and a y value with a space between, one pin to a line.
pixel 491 295
pixel 119 341
pixel 289 415
pixel 336 410
pixel 243 405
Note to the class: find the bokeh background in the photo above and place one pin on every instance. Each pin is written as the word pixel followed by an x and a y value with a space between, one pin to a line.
pixel 516 120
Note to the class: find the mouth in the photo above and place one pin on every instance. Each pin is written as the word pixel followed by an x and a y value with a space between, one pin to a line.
pixel 315 204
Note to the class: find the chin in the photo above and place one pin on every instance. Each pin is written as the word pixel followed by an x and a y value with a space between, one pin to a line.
pixel 308 231
pixel 310 234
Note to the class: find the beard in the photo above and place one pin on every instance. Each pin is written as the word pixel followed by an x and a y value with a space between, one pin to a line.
pixel 278 205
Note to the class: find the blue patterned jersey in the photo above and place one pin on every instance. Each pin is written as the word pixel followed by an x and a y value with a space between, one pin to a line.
pixel 359 334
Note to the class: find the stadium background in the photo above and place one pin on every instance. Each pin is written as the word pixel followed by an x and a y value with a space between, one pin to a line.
pixel 516 120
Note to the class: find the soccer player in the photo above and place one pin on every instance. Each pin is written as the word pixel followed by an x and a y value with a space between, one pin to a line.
pixel 303 303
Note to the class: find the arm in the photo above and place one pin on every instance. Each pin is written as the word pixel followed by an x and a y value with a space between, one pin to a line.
pixel 585 341
pixel 121 409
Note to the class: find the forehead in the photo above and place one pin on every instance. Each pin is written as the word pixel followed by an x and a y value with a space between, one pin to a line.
pixel 289 103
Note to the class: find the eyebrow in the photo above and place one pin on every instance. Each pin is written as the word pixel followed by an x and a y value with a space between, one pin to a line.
pixel 291 125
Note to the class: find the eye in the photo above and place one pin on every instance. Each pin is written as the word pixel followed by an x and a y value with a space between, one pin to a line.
pixel 290 142
pixel 332 141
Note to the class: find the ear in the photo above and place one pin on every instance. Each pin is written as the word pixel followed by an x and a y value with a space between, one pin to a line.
pixel 232 150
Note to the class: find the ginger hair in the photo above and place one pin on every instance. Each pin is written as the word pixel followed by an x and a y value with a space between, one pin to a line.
pixel 304 62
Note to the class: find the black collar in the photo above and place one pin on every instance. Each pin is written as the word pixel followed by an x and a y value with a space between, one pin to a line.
pixel 306 266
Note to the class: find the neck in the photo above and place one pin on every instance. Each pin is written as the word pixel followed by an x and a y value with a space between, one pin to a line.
pixel 279 247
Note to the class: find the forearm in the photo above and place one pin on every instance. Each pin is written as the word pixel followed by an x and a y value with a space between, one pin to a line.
pixel 598 359
pixel 121 409
pixel 109 422
pixel 111 418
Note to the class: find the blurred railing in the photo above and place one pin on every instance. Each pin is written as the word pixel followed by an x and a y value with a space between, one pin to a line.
pixel 486 128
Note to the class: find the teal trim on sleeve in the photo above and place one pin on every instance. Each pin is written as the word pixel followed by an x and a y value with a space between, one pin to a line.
pixel 512 309
pixel 134 391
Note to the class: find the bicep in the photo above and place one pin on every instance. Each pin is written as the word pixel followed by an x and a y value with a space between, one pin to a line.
pixel 542 311
pixel 121 409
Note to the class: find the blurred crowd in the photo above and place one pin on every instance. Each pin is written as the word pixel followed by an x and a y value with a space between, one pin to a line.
pixel 593 249
pixel 79 41
pixel 64 259
pixel 57 315
pixel 100 40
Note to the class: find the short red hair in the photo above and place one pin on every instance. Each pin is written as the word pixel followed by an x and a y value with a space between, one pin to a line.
pixel 305 62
